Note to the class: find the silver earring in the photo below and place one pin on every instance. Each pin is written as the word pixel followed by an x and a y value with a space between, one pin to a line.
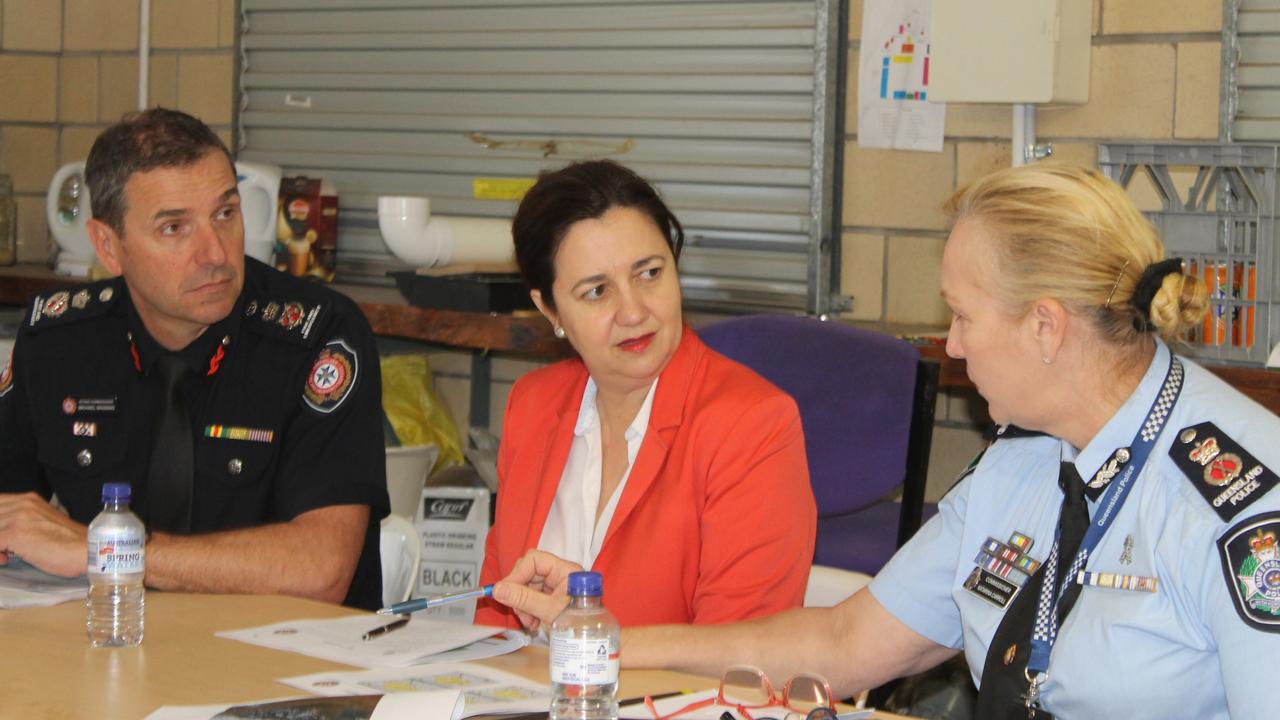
pixel 1046 360
pixel 560 333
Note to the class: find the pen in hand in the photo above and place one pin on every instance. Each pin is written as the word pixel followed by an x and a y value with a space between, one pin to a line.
pixel 384 629
pixel 416 604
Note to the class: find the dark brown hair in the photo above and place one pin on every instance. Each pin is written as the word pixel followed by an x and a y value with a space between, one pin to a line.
pixel 580 191
pixel 143 141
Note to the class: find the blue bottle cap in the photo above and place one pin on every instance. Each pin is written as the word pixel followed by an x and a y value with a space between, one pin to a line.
pixel 115 491
pixel 585 584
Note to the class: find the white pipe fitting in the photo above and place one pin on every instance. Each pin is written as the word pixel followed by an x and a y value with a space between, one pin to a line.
pixel 420 240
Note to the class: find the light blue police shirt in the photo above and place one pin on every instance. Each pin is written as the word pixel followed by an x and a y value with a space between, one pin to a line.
pixel 1183 651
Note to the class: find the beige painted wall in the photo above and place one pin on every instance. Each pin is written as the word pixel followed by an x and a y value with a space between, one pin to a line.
pixel 69 68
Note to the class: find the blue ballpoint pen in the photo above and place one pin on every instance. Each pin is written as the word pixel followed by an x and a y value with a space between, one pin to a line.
pixel 415 604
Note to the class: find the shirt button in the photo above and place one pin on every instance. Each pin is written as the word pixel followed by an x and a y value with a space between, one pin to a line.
pixel 84 457
pixel 234 466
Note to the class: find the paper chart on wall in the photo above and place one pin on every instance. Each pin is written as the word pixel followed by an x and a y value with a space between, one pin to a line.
pixel 893 78
pixel 485 691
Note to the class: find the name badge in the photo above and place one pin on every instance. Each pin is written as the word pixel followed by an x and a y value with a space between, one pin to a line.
pixel 990 588
pixel 89 405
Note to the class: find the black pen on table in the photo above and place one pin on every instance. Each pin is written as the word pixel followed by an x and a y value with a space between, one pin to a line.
pixel 384 629
pixel 660 696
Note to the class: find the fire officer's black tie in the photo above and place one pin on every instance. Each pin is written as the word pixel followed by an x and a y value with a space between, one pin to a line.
pixel 1004 682
pixel 169 475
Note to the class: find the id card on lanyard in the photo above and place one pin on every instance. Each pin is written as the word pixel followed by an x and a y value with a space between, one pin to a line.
pixel 1046 624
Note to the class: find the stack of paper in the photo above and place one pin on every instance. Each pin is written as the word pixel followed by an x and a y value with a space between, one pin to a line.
pixel 22 585
pixel 341 639
pixel 485 691
pixel 439 705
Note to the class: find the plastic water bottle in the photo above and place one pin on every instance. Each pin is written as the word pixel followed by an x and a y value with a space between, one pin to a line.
pixel 584 655
pixel 117 563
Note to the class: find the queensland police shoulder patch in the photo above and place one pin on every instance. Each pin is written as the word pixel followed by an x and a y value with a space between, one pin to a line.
pixel 332 377
pixel 1251 566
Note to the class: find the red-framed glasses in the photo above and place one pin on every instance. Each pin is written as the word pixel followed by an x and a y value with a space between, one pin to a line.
pixel 747 688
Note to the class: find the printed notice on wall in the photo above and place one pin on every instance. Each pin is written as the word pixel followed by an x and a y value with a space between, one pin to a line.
pixel 893 78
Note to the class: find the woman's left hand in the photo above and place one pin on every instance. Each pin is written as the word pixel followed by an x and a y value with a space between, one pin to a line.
pixel 537 588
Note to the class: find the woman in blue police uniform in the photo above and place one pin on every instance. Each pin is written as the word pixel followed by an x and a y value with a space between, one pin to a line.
pixel 1114 554
pixel 260 469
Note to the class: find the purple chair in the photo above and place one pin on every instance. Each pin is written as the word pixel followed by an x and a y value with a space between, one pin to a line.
pixel 866 403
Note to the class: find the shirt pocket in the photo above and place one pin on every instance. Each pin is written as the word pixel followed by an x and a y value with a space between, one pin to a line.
pixel 234 463
pixel 85 456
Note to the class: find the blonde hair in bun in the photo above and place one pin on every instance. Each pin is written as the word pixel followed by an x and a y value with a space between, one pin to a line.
pixel 1069 233
pixel 1179 305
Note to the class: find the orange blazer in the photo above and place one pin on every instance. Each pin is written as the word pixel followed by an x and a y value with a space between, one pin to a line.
pixel 717 519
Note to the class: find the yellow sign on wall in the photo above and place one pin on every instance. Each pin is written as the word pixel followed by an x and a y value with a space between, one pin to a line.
pixel 500 188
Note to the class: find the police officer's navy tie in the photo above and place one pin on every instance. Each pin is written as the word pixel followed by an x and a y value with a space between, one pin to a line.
pixel 1004 682
pixel 170 474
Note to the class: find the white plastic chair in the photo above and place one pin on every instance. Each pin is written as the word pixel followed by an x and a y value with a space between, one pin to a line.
pixel 407 469
pixel 829 586
pixel 401 559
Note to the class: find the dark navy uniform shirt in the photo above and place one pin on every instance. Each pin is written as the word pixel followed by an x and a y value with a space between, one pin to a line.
pixel 285 402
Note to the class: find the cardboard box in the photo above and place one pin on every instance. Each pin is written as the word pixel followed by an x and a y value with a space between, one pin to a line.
pixel 307 228
pixel 453 523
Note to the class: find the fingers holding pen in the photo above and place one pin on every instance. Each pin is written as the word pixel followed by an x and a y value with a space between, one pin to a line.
pixel 535 608
pixel 542 569
pixel 536 588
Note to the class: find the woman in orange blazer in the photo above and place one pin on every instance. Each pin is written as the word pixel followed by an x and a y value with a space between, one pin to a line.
pixel 676 473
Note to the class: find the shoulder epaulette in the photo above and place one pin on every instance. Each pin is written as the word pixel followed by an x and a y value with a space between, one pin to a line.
pixel 62 307
pixel 1223 472
pixel 295 320
pixel 1008 432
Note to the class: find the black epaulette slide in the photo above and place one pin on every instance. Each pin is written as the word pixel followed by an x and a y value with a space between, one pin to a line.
pixel 67 306
pixel 1008 432
pixel 1223 472
pixel 294 321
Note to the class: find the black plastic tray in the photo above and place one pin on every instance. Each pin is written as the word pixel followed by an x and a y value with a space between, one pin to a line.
pixel 471 292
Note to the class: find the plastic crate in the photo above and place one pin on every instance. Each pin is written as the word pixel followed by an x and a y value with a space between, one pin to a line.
pixel 1223 224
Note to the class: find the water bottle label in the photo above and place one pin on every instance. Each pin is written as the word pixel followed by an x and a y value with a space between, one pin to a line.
pixel 117 554
pixel 583 661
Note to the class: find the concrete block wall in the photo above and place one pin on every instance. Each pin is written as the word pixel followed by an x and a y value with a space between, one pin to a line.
pixel 69 68
pixel 1154 76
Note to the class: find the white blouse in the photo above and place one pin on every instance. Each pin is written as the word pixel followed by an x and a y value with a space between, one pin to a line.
pixel 571 532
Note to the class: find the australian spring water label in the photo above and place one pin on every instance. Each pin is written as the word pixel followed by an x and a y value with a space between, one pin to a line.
pixel 121 554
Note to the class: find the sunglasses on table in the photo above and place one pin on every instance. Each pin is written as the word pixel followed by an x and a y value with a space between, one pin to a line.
pixel 747 688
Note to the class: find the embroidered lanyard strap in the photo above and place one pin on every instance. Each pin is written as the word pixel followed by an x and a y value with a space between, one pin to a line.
pixel 1046 626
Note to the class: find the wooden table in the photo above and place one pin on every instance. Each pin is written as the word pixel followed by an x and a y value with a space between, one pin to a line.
pixel 51 672
pixel 1259 383
pixel 530 335
pixel 524 334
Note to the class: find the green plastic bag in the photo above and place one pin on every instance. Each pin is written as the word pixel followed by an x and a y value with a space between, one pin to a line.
pixel 414 411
